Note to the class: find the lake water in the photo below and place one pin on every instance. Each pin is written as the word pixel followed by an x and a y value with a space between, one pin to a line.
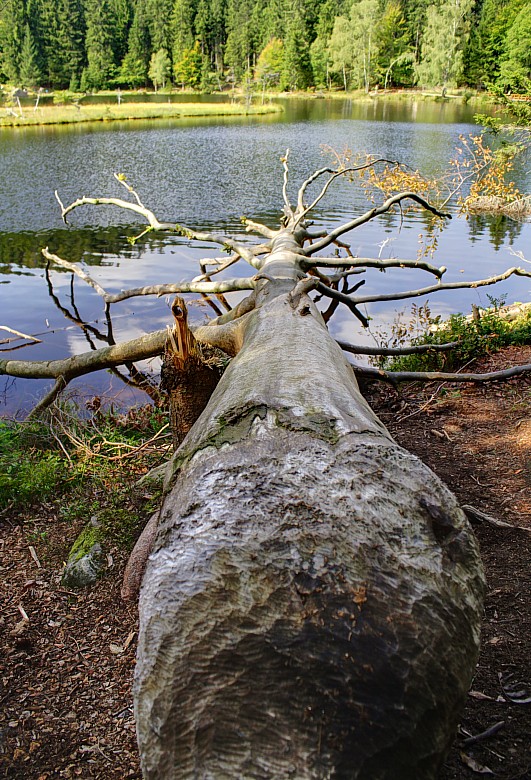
pixel 207 174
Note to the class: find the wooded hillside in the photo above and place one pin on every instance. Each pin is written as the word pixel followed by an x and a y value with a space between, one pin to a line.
pixel 207 44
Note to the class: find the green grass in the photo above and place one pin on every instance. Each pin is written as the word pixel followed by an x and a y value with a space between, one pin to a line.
pixel 76 467
pixel 71 113
pixel 476 338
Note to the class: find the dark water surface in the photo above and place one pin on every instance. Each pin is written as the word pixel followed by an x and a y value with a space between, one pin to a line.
pixel 206 174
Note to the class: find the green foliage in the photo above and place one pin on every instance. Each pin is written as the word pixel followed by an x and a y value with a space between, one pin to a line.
pixel 475 337
pixel 444 38
pixel 188 69
pixel 160 68
pixel 357 43
pixel 81 465
pixel 30 467
pixel 515 68
pixel 270 62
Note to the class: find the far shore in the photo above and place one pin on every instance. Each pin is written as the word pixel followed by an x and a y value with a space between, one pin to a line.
pixel 73 110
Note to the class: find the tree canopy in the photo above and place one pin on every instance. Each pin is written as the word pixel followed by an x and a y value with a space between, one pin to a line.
pixel 359 44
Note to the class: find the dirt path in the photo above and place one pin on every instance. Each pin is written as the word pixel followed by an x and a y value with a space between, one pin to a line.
pixel 66 659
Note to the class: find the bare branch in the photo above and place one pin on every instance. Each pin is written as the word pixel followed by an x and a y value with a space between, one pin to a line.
pixel 449 286
pixel 116 355
pixel 122 204
pixel 222 266
pixel 373 262
pixel 374 212
pixel 120 178
pixel 302 211
pixel 329 292
pixel 287 204
pixel 49 398
pixel 436 376
pixel 210 288
pixel 75 269
pixel 363 349
pixel 155 224
pixel 195 286
pixel 18 335
pixel 257 227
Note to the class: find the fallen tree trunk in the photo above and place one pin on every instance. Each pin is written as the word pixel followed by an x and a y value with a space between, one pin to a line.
pixel 312 605
pixel 312 602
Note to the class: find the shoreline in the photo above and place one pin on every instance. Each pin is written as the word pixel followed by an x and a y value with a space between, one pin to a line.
pixel 74 113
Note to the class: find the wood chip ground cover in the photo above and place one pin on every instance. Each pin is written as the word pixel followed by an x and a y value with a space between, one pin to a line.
pixel 67 658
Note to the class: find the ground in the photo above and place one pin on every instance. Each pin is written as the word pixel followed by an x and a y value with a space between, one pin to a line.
pixel 67 658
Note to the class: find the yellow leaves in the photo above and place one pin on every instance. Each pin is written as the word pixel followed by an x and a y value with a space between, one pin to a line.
pixel 486 169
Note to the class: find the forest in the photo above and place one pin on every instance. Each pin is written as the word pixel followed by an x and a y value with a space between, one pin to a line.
pixel 87 45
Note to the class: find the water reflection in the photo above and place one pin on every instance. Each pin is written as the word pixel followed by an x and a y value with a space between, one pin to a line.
pixel 207 175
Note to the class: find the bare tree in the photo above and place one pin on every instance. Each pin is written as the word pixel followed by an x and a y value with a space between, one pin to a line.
pixel 312 602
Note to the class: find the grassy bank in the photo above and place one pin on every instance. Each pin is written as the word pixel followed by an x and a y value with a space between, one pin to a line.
pixel 477 335
pixel 73 113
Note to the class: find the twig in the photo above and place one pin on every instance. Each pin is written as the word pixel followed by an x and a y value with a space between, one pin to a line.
pixel 485 734
pixel 476 515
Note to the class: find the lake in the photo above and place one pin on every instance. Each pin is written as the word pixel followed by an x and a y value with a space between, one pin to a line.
pixel 207 174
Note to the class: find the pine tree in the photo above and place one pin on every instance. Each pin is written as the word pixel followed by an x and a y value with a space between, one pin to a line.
pixel 297 69
pixel 515 68
pixel 62 38
pixel 392 40
pixel 99 43
pixel 12 27
pixel 30 74
pixel 159 14
pixel 135 64
pixel 182 28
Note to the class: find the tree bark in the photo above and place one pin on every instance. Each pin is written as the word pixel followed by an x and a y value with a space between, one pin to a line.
pixel 312 605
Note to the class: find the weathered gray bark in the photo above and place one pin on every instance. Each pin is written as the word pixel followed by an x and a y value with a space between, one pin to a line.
pixel 312 605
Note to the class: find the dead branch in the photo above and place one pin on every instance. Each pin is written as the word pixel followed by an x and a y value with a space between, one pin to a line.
pixel 373 262
pixel 371 214
pixel 302 211
pixel 329 292
pixel 19 335
pixel 477 516
pixel 195 286
pixel 68 368
pixel 363 349
pixel 394 377
pixel 443 286
pixel 288 210
pixel 120 203
pixel 75 269
pixel 256 227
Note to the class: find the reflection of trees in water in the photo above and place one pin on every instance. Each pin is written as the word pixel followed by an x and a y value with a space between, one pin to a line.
pixel 134 376
pixel 87 244
pixel 499 228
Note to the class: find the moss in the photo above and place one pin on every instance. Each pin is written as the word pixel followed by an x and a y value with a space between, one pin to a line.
pixel 236 426
pixel 89 536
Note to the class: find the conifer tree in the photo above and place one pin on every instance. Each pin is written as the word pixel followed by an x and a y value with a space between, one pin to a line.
pixel 297 70
pixel 134 68
pixel 30 73
pixel 12 27
pixel 99 43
